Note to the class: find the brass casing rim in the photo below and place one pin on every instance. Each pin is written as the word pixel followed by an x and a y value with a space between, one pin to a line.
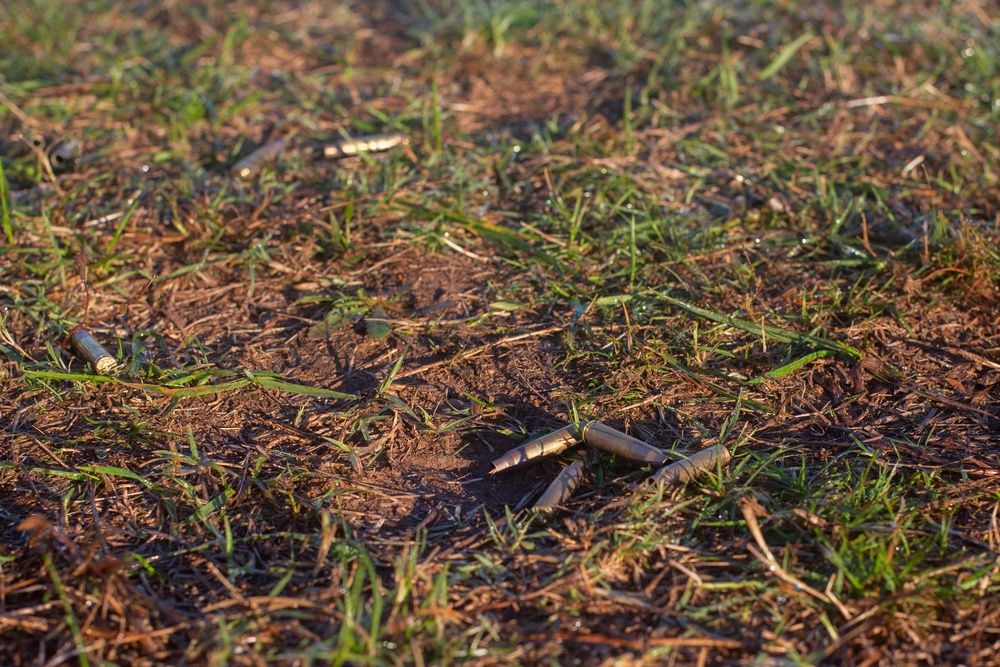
pixel 686 469
pixel 95 353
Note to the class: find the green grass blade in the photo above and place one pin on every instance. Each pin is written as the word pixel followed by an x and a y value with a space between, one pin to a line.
pixel 786 54
pixel 78 377
pixel 615 300
pixel 487 230
pixel 121 227
pixel 697 376
pixel 8 230
pixel 214 505
pixel 67 604
pixel 391 377
pixel 188 392
pixel 262 379
pixel 68 474
pixel 774 333
pixel 301 389
pixel 792 366
pixel 436 116
pixel 114 471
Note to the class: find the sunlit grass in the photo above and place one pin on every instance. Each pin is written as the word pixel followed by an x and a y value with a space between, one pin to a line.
pixel 767 226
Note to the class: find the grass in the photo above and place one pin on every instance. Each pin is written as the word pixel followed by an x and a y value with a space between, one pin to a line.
pixel 766 225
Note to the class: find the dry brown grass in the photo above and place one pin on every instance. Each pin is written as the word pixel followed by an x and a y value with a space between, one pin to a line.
pixel 529 249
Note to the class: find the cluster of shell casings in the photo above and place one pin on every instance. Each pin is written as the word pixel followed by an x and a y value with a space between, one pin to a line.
pixel 606 439
pixel 62 156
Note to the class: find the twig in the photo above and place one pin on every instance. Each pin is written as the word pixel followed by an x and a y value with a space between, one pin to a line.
pixel 459 249
pixel 82 268
pixel 637 645
pixel 14 109
pixel 477 351
pixel 749 507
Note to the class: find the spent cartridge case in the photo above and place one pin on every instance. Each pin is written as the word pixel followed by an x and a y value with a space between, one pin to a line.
pixel 551 443
pixel 20 144
pixel 608 439
pixel 64 155
pixel 88 348
pixel 253 162
pixel 683 471
pixel 561 488
pixel 370 144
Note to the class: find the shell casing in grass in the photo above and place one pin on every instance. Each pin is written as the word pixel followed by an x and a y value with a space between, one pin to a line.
pixel 683 471
pixel 20 144
pixel 64 155
pixel 88 347
pixel 369 144
pixel 252 163
pixel 561 488
pixel 615 442
pixel 551 443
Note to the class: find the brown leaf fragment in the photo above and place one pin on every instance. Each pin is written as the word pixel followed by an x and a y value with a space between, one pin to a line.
pixel 37 526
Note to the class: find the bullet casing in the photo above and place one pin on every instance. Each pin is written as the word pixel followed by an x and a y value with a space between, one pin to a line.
pixel 369 144
pixel 88 347
pixel 561 488
pixel 609 440
pixel 551 443
pixel 19 145
pixel 64 155
pixel 685 470
pixel 252 163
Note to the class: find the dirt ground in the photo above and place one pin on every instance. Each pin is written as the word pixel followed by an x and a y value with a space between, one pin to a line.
pixel 176 516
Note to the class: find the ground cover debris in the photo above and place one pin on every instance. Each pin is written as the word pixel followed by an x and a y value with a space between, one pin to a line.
pixel 762 228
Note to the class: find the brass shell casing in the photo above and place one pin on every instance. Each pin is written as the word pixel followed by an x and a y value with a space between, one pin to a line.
pixel 88 347
pixel 685 470
pixel 551 443
pixel 19 145
pixel 369 144
pixel 252 163
pixel 64 155
pixel 561 488
pixel 609 440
